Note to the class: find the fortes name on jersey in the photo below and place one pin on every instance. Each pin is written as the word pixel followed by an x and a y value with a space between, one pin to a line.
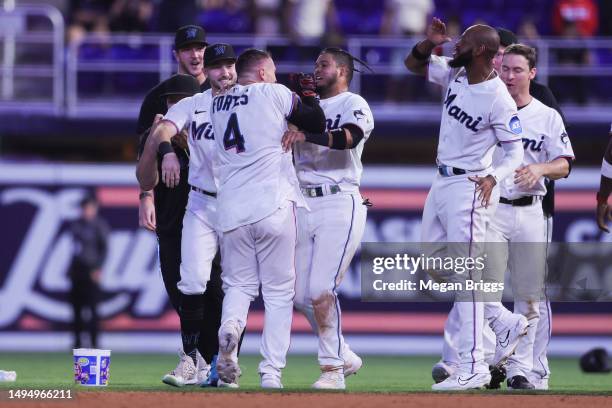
pixel 459 114
pixel 227 102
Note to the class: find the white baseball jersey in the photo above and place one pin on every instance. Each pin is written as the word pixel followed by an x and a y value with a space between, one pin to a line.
pixel 255 174
pixel 474 117
pixel 194 112
pixel 316 164
pixel 544 140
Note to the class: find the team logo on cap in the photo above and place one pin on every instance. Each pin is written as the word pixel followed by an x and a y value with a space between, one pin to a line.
pixel 220 49
pixel 191 33
pixel 515 125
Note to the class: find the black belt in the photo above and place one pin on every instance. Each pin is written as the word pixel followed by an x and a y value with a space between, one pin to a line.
pixel 455 171
pixel 199 190
pixel 520 202
pixel 319 191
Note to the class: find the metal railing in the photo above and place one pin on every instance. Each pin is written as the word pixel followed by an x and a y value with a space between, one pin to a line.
pixel 16 35
pixel 384 54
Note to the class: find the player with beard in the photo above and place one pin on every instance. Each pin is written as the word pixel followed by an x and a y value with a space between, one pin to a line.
pixel 478 112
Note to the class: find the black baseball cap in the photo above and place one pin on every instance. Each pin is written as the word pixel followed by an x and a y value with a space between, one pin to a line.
pixel 216 53
pixel 180 84
pixel 506 37
pixel 189 34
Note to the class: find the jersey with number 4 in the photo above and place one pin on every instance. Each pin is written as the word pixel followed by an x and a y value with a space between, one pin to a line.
pixel 474 117
pixel 316 164
pixel 544 140
pixel 255 175
pixel 194 112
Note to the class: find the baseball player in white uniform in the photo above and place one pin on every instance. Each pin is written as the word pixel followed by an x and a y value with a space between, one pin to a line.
pixel 199 243
pixel 258 192
pixel 604 215
pixel 519 230
pixel 329 170
pixel 478 113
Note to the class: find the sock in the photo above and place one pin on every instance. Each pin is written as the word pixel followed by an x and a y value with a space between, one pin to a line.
pixel 191 312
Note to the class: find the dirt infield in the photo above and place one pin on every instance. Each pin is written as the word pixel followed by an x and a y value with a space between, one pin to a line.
pixel 316 400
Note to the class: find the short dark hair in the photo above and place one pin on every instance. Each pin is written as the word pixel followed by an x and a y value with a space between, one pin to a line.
pixel 526 51
pixel 249 58
pixel 506 37
pixel 342 58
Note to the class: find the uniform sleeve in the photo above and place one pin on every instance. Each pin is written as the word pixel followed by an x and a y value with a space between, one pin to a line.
pixel 357 112
pixel 281 96
pixel 504 119
pixel 438 70
pixel 557 143
pixel 180 113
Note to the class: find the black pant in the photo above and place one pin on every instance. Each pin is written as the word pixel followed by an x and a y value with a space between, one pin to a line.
pixel 84 295
pixel 170 261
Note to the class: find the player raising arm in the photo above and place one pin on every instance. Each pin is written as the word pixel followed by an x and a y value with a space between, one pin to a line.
pixel 604 214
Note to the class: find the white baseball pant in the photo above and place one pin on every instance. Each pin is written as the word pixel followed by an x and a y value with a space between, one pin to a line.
pixel 262 253
pixel 328 237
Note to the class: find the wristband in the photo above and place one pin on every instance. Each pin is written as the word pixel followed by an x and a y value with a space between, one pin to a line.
pixel 418 55
pixel 164 148
pixel 602 199
pixel 144 194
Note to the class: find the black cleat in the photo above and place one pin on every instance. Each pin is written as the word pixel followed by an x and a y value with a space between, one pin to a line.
pixel 498 375
pixel 518 382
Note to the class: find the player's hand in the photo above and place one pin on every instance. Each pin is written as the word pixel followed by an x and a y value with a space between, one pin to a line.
pixel 604 215
pixel 484 188
pixel 181 139
pixel 302 84
pixel 156 121
pixel 528 176
pixel 146 213
pixel 290 137
pixel 436 32
pixel 171 170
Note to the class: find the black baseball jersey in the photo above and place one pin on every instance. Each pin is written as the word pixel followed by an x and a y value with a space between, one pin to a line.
pixel 170 203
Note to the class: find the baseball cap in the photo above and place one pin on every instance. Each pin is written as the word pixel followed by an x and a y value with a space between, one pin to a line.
pixel 189 34
pixel 506 37
pixel 180 84
pixel 218 52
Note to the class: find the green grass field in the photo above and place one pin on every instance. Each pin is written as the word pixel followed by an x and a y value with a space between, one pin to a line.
pixel 141 372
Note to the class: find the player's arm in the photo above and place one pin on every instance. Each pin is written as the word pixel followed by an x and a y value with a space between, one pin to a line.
pixel 346 137
pixel 146 210
pixel 158 142
pixel 528 176
pixel 604 213
pixel 418 59
pixel 307 114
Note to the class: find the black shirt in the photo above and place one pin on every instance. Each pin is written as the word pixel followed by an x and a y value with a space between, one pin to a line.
pixel 170 203
pixel 90 246
pixel 543 94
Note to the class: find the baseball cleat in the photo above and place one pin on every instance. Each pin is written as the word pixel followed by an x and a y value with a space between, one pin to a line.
pixel 185 372
pixel 213 376
pixel 518 382
pixel 330 380
pixel 352 362
pixel 508 339
pixel 202 368
pixel 498 375
pixel 538 383
pixel 270 381
pixel 441 371
pixel 223 384
pixel 463 382
pixel 227 365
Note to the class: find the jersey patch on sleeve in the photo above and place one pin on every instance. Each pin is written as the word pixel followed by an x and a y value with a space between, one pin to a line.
pixel 564 138
pixel 359 114
pixel 515 125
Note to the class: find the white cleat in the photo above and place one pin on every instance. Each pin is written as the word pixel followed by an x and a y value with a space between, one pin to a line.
pixel 271 381
pixel 463 382
pixel 223 384
pixel 330 380
pixel 352 362
pixel 202 368
pixel 538 383
pixel 185 372
pixel 227 368
pixel 508 339
pixel 441 371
